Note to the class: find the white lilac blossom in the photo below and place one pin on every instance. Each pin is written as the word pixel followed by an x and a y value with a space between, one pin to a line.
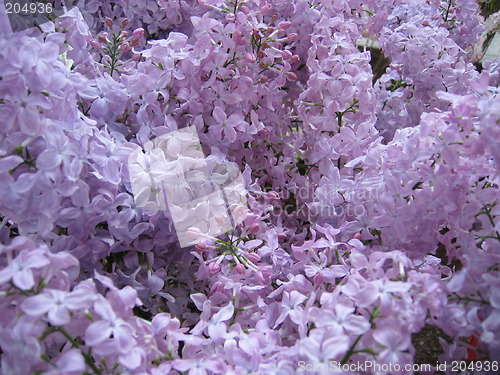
pixel 363 211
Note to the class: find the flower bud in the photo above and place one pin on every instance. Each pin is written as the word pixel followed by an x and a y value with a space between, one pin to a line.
pixel 194 232
pixel 109 22
pixel 266 8
pixel 275 16
pixel 124 34
pixel 136 57
pixel 138 33
pixel 238 37
pixel 124 22
pixel 103 37
pixel 273 195
pixel 244 9
pixel 200 246
pixel 253 257
pixel 250 57
pixel 124 48
pixel 291 76
pixel 240 268
pixel 230 17
pixel 261 54
pixel 264 78
pixel 286 54
pixel 95 44
pixel 292 37
pixel 283 25
pixel 213 268
pixel 281 236
pixel 254 228
pixel 294 59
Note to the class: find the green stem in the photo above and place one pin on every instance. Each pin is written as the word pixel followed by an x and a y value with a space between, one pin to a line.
pixel 339 118
pixel 469 299
pixel 487 212
pixel 352 349
pixel 114 54
pixel 341 114
pixel 447 11
pixel 88 359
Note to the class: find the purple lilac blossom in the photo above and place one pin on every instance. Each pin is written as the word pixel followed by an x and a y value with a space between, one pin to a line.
pixel 370 208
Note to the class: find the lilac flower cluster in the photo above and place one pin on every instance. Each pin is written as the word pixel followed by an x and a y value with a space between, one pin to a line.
pixel 372 206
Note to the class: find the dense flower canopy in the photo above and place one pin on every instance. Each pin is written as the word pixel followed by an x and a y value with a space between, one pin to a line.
pixel 372 203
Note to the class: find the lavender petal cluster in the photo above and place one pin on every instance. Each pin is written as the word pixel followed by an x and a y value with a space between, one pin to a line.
pixel 366 207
